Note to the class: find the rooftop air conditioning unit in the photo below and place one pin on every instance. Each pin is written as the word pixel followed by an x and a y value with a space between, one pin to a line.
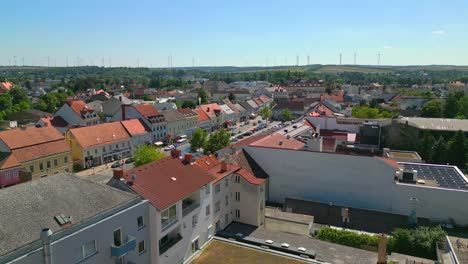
pixel 409 175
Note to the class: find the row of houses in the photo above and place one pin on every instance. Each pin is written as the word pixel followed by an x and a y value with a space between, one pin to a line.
pixel 161 212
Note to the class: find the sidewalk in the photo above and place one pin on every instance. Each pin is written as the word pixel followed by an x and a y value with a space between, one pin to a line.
pixel 94 170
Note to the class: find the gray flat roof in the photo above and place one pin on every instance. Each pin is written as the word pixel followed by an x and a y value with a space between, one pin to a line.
pixel 443 124
pixel 29 207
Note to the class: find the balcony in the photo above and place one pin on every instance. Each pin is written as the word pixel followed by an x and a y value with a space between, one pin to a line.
pixel 127 246
pixel 188 205
pixel 169 243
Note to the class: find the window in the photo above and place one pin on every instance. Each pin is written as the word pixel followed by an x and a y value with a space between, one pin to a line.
pixel 140 222
pixel 87 153
pixel 207 210
pixel 110 147
pixel 7 175
pixel 237 179
pixel 55 163
pixel 95 151
pixel 194 220
pixel 217 206
pixel 48 164
pixel 41 166
pixel 168 216
pixel 118 237
pixel 237 196
pixel 31 168
pixel 217 188
pixel 226 182
pixel 103 149
pixel 65 159
pixel 207 189
pixel 237 213
pixel 86 250
pixel 141 247
pixel 116 146
pixel 226 198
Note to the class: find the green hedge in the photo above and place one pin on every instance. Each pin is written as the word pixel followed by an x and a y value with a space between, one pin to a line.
pixel 348 238
pixel 419 242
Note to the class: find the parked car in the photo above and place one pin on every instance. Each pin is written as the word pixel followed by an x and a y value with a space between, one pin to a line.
pixel 240 137
pixel 233 134
pixel 248 133
pixel 115 164
pixel 295 126
pixel 129 160
pixel 234 140
pixel 170 147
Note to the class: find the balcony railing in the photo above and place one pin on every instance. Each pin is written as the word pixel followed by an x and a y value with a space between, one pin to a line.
pixel 127 246
pixel 170 243
pixel 189 207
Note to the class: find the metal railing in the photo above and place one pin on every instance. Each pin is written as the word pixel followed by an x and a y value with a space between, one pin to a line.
pixel 189 208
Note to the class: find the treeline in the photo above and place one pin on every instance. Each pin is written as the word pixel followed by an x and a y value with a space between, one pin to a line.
pixel 454 106
pixel 444 150
pixel 275 75
pixel 14 101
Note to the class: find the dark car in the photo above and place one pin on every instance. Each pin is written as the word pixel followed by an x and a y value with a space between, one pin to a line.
pixel 248 133
pixel 233 134
pixel 234 140
pixel 240 137
pixel 294 126
pixel 129 160
pixel 115 164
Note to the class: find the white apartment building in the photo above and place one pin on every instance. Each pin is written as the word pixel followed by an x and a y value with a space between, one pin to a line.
pixel 190 201
pixel 74 221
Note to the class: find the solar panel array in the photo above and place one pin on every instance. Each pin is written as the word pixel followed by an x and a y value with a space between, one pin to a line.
pixel 446 177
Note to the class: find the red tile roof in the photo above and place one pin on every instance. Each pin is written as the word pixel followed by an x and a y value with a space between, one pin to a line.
pixel 79 107
pixel 207 162
pixel 6 86
pixel 278 141
pixel 146 110
pixel 335 97
pixel 9 161
pixel 167 181
pixel 22 137
pixel 134 126
pixel 56 121
pixel 249 177
pixel 202 116
pixel 99 134
pixel 248 141
pixel 258 101
pixel 210 109
pixel 186 111
pixel 264 98
pixel 218 174
pixel 41 150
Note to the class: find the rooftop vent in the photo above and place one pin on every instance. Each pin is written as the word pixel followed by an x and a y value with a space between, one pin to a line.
pixel 134 176
pixel 409 175
pixel 97 139
pixel 173 179
pixel 113 135
pixel 62 219
pixel 280 142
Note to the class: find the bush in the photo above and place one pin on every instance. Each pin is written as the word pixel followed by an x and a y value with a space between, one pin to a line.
pixel 348 238
pixel 419 242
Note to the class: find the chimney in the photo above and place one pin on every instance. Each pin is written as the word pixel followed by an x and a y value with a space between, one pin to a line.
pixel 382 254
pixel 175 153
pixel 280 142
pixel 118 173
pixel 46 235
pixel 123 112
pixel 188 158
pixel 224 166
pixel 207 109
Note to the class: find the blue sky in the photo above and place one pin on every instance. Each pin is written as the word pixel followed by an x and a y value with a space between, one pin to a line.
pixel 240 33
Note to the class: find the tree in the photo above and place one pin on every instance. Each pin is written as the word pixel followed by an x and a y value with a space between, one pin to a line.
pixel 440 151
pixel 287 115
pixel 218 140
pixel 457 150
pixel 203 95
pixel 421 241
pixel 266 113
pixel 462 107
pixel 426 146
pixel 145 154
pixel 6 102
pixel 433 108
pixel 232 97
pixel 451 104
pixel 188 104
pixel 19 95
pixel 198 139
